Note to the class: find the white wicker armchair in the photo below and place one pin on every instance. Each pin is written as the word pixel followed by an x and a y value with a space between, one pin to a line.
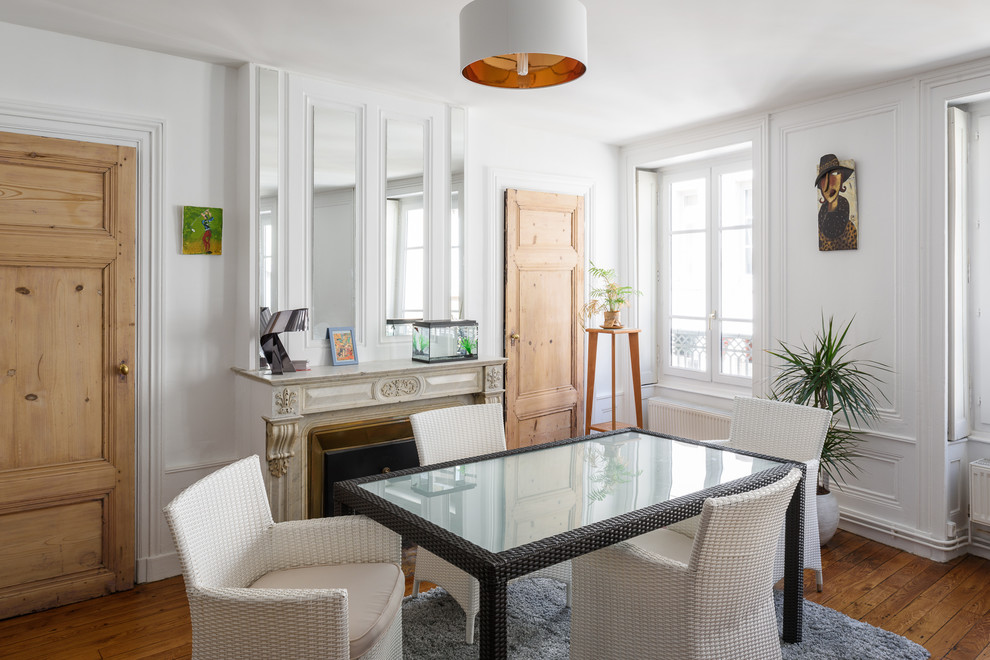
pixel 323 588
pixel 657 596
pixel 794 432
pixel 449 434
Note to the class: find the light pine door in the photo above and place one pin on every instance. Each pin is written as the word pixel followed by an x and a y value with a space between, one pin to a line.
pixel 544 340
pixel 67 312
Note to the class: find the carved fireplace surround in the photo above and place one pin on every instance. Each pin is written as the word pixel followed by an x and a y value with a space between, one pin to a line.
pixel 283 410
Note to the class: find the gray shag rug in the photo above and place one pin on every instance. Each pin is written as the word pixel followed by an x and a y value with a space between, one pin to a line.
pixel 539 629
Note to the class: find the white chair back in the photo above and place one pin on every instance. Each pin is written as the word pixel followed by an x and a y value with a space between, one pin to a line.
pixel 220 526
pixel 451 434
pixel 737 536
pixel 776 428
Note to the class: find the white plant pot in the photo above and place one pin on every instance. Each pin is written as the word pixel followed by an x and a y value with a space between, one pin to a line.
pixel 828 516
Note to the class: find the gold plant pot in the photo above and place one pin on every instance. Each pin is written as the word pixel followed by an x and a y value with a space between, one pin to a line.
pixel 612 320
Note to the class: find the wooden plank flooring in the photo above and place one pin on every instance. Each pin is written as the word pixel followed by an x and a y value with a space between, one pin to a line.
pixel 944 607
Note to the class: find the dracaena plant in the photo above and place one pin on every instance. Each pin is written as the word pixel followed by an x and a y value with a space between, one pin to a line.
pixel 825 375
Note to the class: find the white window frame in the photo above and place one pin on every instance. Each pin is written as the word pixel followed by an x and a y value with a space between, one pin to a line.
pixel 710 170
pixel 969 276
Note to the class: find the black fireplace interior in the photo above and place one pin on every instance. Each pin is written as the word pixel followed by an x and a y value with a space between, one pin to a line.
pixel 359 451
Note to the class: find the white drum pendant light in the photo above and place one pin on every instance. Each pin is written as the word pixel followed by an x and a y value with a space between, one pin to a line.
pixel 524 44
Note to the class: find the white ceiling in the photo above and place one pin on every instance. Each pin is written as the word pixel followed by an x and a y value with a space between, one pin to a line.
pixel 653 64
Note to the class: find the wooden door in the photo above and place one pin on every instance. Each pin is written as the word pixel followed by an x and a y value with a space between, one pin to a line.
pixel 544 340
pixel 67 312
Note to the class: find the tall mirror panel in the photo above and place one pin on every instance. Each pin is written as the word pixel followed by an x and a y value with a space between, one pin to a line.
pixel 268 150
pixel 405 225
pixel 335 215
pixel 456 277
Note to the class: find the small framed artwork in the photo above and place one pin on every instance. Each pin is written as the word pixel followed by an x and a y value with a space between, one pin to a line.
pixel 202 230
pixel 838 216
pixel 342 348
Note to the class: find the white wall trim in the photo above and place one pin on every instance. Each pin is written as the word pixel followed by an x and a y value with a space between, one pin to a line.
pixel 208 466
pixel 160 567
pixel 936 92
pixel 784 132
pixel 147 135
pixel 902 538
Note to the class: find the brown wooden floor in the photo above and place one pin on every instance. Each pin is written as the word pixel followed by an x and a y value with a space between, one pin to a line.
pixel 944 607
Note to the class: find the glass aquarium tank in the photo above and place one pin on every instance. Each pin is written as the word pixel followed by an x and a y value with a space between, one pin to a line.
pixel 444 341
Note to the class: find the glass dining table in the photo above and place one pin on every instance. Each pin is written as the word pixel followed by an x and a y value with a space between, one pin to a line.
pixel 503 515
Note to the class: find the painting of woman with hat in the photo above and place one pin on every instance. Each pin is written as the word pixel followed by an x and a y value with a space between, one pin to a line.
pixel 838 222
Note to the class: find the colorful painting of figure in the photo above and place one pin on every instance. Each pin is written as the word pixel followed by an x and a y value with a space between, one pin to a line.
pixel 202 230
pixel 838 218
pixel 342 343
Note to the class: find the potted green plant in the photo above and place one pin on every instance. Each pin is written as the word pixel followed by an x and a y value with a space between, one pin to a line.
pixel 826 376
pixel 608 297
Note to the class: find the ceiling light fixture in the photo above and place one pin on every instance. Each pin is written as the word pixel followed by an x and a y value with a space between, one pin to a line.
pixel 524 44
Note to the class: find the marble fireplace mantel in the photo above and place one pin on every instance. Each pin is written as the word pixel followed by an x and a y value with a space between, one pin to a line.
pixel 293 404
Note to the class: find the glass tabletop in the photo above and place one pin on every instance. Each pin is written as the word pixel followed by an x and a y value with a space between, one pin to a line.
pixel 504 502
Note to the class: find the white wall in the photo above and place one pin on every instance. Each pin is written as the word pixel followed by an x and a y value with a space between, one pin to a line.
pixel 876 286
pixel 911 492
pixel 503 155
pixel 188 318
pixel 186 310
pixel 187 305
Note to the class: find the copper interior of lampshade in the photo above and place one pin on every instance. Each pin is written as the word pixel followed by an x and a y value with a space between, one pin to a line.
pixel 544 71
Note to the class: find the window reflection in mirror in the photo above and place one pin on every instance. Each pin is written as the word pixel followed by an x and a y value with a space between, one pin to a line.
pixel 268 188
pixel 335 195
pixel 457 135
pixel 405 225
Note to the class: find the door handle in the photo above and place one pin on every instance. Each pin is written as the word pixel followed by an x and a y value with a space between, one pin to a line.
pixel 513 338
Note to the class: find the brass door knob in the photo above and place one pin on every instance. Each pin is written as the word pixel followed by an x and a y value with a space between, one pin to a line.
pixel 514 336
pixel 123 369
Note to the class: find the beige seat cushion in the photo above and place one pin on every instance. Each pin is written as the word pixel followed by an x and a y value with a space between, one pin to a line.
pixel 666 542
pixel 374 595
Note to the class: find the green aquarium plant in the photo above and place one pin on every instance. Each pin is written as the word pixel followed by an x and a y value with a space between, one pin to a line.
pixel 467 345
pixel 421 343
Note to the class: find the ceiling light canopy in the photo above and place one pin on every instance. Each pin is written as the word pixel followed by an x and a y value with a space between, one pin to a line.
pixel 523 44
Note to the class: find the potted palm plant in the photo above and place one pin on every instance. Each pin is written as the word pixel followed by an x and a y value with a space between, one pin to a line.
pixel 608 297
pixel 826 376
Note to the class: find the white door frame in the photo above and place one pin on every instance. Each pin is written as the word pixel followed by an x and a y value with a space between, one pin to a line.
pixel 147 135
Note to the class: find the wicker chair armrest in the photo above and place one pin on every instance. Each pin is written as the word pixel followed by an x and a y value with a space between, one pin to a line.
pixel 336 540
pixel 722 441
pixel 307 619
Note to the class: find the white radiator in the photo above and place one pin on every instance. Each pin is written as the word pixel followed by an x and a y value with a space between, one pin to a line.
pixel 979 491
pixel 685 422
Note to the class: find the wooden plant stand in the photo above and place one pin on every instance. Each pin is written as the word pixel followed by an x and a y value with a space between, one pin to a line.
pixel 633 334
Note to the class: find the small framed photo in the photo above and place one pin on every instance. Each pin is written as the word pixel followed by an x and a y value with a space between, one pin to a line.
pixel 343 350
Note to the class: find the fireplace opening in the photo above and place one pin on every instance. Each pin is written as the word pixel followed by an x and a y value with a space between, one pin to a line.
pixel 347 451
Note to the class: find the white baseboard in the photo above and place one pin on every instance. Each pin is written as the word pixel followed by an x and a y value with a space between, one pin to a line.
pixel 159 567
pixel 909 540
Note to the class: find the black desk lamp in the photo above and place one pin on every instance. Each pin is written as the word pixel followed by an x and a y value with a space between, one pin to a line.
pixel 289 320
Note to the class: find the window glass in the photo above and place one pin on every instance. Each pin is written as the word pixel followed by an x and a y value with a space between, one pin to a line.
pixel 707 227
pixel 688 275
pixel 688 204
